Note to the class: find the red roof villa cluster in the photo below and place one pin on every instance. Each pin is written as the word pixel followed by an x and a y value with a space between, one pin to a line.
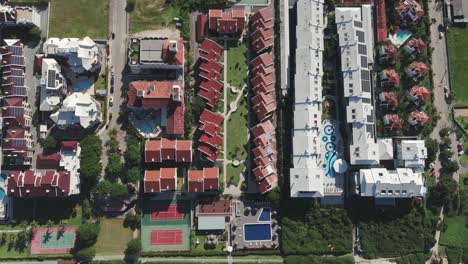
pixel 261 26
pixel 231 22
pixel 265 156
pixel 204 180
pixel 59 178
pixel 156 181
pixel 210 72
pixel 263 85
pixel 210 139
pixel 16 112
pixel 163 150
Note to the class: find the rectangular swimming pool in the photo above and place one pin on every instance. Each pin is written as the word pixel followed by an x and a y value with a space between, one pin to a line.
pixel 257 232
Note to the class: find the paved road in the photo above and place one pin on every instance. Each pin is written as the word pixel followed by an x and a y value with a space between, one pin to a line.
pixel 440 69
pixel 118 24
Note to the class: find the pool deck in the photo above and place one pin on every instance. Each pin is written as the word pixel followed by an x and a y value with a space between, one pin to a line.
pixel 251 216
pixel 394 39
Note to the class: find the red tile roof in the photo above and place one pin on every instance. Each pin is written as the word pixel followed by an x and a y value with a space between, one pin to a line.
pixel 152 181
pixel 417 44
pixel 210 152
pixel 33 184
pixel 214 141
pixel 393 122
pixel 391 52
pixel 262 79
pixel 211 85
pixel 420 93
pixel 381 21
pixel 210 50
pixel 195 181
pixel 390 99
pixel 267 183
pixel 419 118
pixel 152 94
pixel 229 22
pixel 264 128
pixel 168 150
pixel 392 77
pixel 208 116
pixel 176 119
pixel 419 67
pixel 261 19
pixel 261 39
pixel 222 207
pixel 262 64
pixel 164 179
pixel 201 25
pixel 203 180
pixel 408 9
pixel 210 128
pixel 212 97
pixel 173 58
pixel 69 146
pixel 48 161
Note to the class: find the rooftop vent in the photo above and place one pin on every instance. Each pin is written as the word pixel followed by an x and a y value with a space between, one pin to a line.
pixel 173 46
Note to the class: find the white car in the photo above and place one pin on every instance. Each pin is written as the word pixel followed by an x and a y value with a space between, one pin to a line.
pixel 111 101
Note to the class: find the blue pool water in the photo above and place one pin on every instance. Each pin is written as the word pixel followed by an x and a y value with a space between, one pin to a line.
pixel 331 155
pixel 257 232
pixel 402 36
pixel 82 85
pixel 265 215
pixel 2 194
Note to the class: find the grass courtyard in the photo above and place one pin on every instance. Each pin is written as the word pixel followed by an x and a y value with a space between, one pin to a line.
pixel 79 18
pixel 237 66
pixel 457 45
pixel 113 237
pixel 237 130
pixel 456 232
pixel 233 173
pixel 153 14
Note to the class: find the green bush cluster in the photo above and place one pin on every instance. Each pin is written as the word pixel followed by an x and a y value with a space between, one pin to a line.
pixel 91 152
pixel 114 189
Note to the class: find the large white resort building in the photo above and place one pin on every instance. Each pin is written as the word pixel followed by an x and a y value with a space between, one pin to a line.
pixel 403 178
pixel 307 176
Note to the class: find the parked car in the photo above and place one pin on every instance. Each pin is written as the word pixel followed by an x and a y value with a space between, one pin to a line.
pixel 111 101
pixel 441 35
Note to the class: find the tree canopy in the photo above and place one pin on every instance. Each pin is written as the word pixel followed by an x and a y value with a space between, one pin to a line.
pixel 87 234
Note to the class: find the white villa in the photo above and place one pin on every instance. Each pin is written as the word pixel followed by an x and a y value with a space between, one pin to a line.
pixel 78 110
pixel 82 54
pixel 53 85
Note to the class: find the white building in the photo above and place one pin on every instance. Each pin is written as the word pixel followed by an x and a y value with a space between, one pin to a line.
pixel 78 110
pixel 413 154
pixel 307 175
pixel 399 183
pixel 81 54
pixel 70 161
pixel 356 40
pixel 53 85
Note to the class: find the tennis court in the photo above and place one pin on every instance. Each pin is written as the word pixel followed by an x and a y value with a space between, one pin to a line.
pixel 172 212
pixel 165 225
pixel 53 240
pixel 166 237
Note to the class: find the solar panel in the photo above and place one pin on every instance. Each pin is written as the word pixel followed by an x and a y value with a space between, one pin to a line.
pixel 370 118
pixel 16 50
pixel 365 74
pixel 51 78
pixel 19 90
pixel 17 72
pixel 17 60
pixel 370 128
pixel 358 24
pixel 362 49
pixel 360 35
pixel 364 61
pixel 18 81
pixel 366 87
pixel 366 100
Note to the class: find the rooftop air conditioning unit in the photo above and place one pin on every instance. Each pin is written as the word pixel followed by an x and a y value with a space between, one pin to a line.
pixel 173 46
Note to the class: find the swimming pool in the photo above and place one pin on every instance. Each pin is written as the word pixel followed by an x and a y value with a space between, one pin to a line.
pixel 402 35
pixel 2 193
pixel 257 232
pixel 265 215
pixel 329 141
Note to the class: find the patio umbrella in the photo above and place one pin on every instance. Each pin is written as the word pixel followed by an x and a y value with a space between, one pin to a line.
pixel 254 211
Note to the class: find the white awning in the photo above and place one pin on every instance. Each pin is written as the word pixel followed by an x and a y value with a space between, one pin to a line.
pixel 211 222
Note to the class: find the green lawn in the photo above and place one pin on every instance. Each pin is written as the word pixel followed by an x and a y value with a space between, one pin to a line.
pixel 79 18
pixel 456 233
pixel 113 237
pixel 236 64
pixel 201 239
pixel 458 44
pixel 8 249
pixel 233 173
pixel 153 14
pixel 237 130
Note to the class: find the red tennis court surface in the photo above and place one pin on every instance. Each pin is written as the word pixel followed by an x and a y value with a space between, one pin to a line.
pixel 166 237
pixel 173 212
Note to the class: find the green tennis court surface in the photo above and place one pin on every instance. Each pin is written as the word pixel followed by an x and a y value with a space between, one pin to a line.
pixel 57 240
pixel 148 225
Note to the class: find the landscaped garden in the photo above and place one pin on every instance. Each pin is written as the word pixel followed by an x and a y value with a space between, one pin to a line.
pixel 233 173
pixel 457 46
pixel 79 18
pixel 236 65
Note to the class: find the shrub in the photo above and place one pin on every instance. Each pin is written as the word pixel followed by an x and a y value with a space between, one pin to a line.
pixel 133 175
pixel 86 209
pixel 133 247
pixel 85 254
pixel 91 152
pixel 130 5
pixel 87 234
pixel 132 220
pixel 49 144
pixel 115 165
pixel 132 153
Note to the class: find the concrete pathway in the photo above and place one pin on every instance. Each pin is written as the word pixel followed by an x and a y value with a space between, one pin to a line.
pixel 197 259
pixel 225 104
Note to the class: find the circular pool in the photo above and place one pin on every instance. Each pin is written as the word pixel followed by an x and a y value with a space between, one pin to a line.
pixel 329 129
pixel 330 146
pixel 325 139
